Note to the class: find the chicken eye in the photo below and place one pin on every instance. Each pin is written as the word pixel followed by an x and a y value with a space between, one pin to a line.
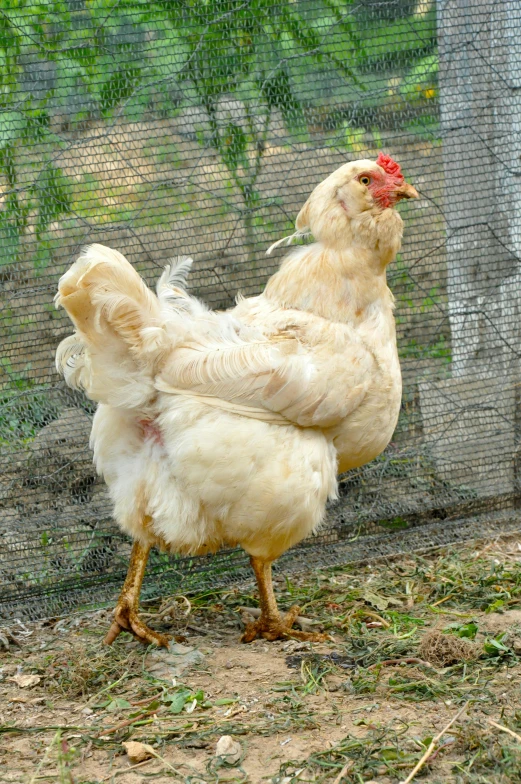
pixel 365 180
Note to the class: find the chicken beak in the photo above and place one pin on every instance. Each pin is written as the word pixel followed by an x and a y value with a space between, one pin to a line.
pixel 406 191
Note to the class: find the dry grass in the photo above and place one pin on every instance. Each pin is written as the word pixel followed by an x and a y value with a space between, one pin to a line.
pixel 443 650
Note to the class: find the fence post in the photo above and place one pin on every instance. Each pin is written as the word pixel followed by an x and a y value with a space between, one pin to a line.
pixel 480 104
pixel 469 419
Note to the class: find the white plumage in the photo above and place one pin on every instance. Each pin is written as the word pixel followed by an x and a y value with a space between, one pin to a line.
pixel 223 429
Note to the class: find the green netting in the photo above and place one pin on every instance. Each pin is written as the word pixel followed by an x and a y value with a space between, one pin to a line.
pixel 172 127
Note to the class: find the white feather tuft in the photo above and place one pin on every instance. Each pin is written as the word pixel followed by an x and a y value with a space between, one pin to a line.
pixel 175 274
pixel 154 339
pixel 287 240
pixel 72 362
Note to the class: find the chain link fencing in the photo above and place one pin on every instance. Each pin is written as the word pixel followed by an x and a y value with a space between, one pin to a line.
pixel 172 127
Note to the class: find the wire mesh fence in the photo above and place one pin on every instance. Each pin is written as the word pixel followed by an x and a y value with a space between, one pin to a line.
pixel 171 127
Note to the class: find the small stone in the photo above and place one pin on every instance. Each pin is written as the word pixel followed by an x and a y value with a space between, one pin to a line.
pixel 173 662
pixel 229 749
pixel 138 752
pixel 516 646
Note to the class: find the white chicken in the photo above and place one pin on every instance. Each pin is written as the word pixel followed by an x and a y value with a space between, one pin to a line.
pixel 224 429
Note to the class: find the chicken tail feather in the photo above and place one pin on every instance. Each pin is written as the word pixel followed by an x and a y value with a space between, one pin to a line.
pixel 120 333
pixel 101 292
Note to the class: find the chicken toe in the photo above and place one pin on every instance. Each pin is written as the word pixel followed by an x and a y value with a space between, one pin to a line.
pixel 126 614
pixel 280 627
pixel 126 618
pixel 271 624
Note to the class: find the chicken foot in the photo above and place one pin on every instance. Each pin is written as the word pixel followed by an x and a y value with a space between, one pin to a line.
pixel 126 614
pixel 271 624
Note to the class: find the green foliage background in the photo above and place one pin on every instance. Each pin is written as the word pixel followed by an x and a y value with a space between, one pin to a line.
pixel 64 63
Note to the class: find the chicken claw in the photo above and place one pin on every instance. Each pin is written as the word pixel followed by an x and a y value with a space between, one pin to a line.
pixel 276 628
pixel 126 618
pixel 126 614
pixel 271 624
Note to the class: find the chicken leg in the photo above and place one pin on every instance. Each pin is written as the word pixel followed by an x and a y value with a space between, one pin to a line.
pixel 126 615
pixel 271 625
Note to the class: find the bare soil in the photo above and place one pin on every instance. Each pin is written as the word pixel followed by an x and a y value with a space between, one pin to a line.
pixel 361 707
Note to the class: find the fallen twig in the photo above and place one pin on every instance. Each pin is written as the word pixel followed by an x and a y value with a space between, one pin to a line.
pixel 445 599
pixel 126 770
pixel 347 767
pixel 410 660
pixel 371 614
pixel 147 700
pixel 126 723
pixel 432 745
pixel 45 757
pixel 169 609
pixel 505 729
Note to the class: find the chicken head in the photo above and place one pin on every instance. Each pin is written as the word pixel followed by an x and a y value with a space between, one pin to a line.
pixel 354 200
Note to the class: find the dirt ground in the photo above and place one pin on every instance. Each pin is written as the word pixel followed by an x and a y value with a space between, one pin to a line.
pixel 415 642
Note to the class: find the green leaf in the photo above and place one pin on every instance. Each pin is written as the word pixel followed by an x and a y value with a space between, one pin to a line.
pixel 12 125
pixel 43 256
pixel 36 125
pixel 278 94
pixel 102 704
pixel 120 86
pixel 494 646
pixel 234 144
pixel 390 754
pixel 396 524
pixel 465 630
pixel 117 704
pixel 9 242
pixel 422 75
pixel 178 701
pixel 495 606
pixel 53 193
pixel 380 602
pixel 354 139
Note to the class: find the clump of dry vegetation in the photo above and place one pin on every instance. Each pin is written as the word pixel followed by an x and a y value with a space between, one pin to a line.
pixel 444 650
pixel 81 671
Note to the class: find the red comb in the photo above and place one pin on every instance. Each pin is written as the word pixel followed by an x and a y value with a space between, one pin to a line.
pixel 389 166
